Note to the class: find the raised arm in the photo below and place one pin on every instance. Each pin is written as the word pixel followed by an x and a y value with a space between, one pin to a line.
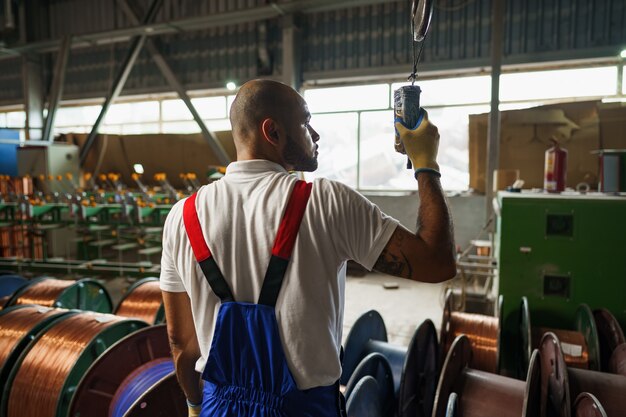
pixel 427 255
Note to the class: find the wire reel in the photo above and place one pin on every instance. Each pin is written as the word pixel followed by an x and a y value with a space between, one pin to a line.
pixel 474 393
pixel 581 347
pixel 561 384
pixel 103 390
pixel 143 301
pixel 484 333
pixel 414 368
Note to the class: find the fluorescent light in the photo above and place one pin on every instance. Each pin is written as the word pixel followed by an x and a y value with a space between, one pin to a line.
pixel 138 168
pixel 623 53
pixel 231 86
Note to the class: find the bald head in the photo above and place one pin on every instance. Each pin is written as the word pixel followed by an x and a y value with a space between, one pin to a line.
pixel 271 121
pixel 258 100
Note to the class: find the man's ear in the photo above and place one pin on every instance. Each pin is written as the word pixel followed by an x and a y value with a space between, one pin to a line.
pixel 269 128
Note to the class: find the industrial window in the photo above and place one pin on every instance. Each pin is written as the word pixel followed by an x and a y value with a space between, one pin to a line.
pixel 16 119
pixel 339 147
pixel 569 83
pixel 138 112
pixel 207 107
pixel 461 90
pixel 71 116
pixel 210 107
pixel 362 97
pixel 3 120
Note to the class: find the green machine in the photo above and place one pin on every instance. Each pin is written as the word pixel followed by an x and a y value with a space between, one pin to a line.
pixel 560 251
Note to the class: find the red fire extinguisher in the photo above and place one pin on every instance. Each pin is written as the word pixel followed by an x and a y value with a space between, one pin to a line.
pixel 555 172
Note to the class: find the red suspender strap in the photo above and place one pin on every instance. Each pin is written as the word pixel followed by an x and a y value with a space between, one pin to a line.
pixel 202 253
pixel 194 231
pixel 290 224
pixel 284 243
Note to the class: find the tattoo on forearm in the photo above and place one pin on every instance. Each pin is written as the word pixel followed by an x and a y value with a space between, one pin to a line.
pixel 392 264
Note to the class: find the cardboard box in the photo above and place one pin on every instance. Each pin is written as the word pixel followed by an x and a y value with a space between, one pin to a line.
pixel 525 136
pixel 172 154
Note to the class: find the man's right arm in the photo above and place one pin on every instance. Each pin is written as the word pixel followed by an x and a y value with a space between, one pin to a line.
pixel 427 255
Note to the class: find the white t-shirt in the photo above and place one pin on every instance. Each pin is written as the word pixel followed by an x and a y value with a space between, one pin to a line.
pixel 239 215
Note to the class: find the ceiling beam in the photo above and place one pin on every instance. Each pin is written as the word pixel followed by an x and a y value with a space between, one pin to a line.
pixel 255 14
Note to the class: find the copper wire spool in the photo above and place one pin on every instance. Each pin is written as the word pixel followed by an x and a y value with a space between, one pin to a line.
pixel 23 185
pixel 17 327
pixel 143 301
pixel 43 292
pixel 43 382
pixel 574 346
pixel 562 384
pixel 580 346
pixel 476 393
pixel 102 382
pixel 483 332
pixel 85 294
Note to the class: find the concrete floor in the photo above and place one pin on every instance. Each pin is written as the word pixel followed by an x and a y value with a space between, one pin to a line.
pixel 403 309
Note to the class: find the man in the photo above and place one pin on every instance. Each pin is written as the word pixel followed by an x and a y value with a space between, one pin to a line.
pixel 253 266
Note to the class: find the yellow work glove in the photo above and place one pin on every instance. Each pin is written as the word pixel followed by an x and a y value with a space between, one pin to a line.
pixel 420 144
pixel 194 409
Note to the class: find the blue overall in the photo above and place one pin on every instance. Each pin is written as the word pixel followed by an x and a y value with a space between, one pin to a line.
pixel 246 374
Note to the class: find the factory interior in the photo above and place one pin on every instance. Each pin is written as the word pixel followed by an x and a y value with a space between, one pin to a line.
pixel 112 112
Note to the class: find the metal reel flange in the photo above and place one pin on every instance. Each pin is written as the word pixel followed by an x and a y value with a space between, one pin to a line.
pixel 586 324
pixel 8 285
pixel 98 386
pixel 18 293
pixel 532 391
pixel 456 361
pixel 370 326
pixel 452 407
pixel 445 338
pixel 587 405
pixel 163 399
pixel 555 390
pixel 526 337
pixel 610 335
pixel 376 366
pixel 501 345
pixel 420 373
pixel 364 401
pixel 617 363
